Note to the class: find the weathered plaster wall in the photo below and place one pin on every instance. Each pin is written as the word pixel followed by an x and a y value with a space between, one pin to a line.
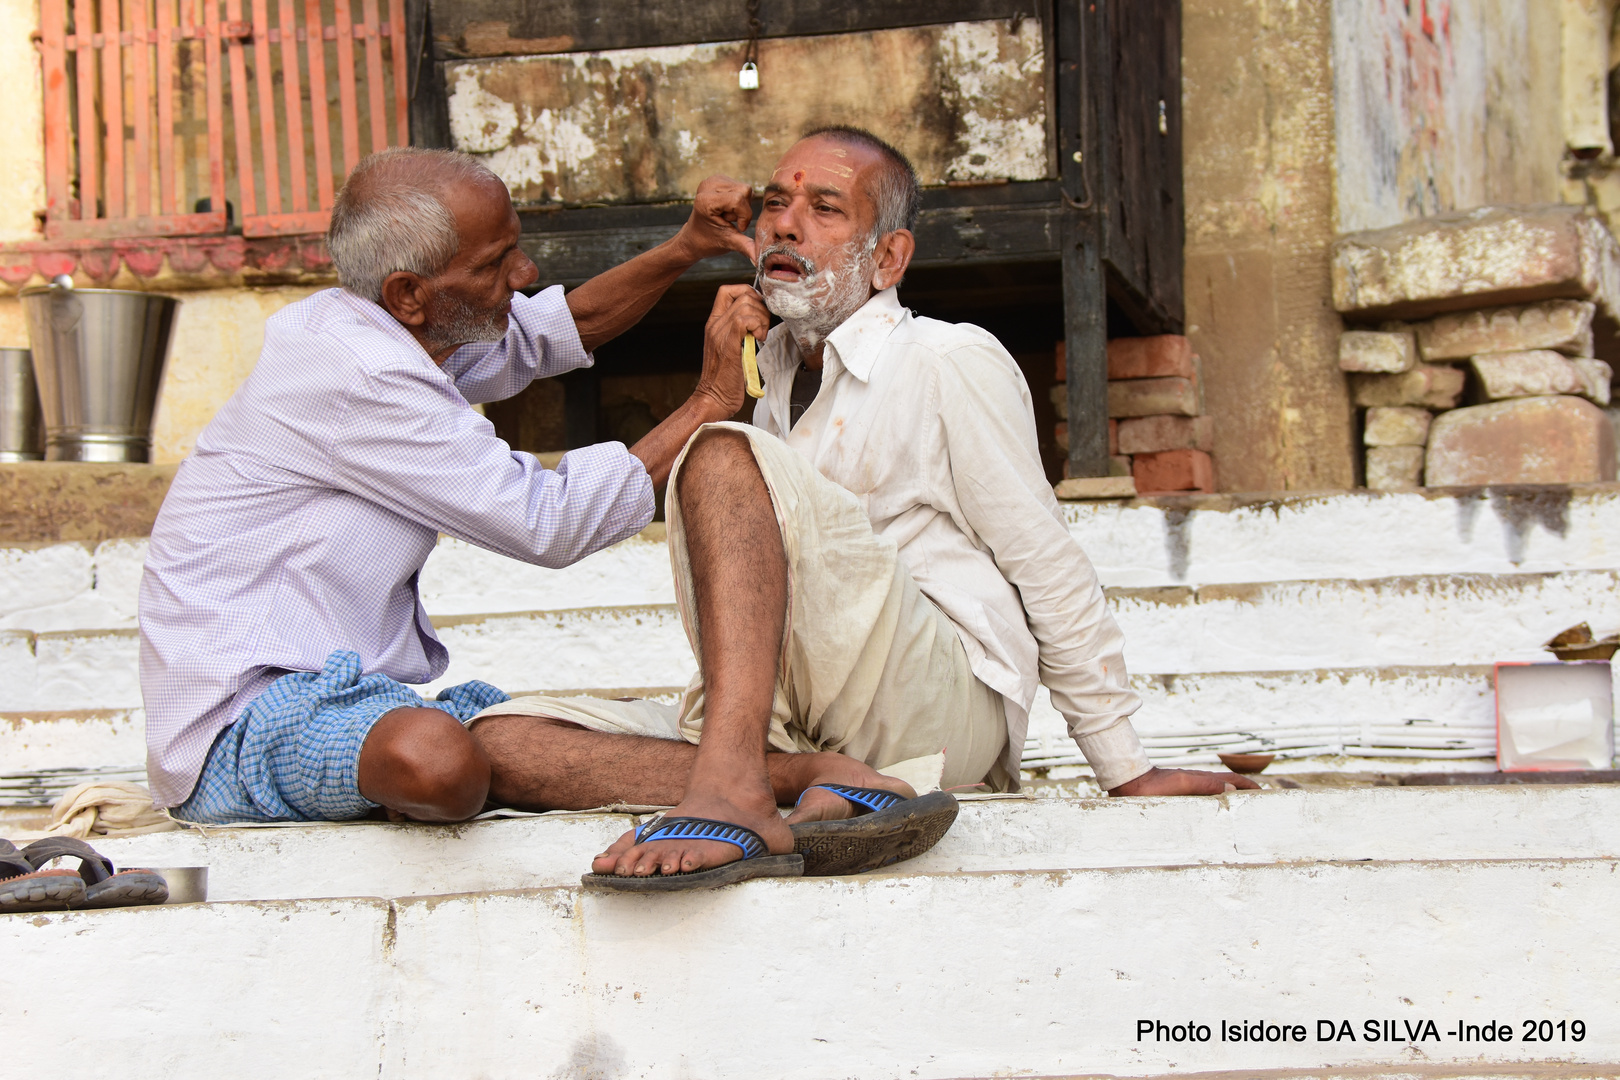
pixel 965 101
pixel 1257 95
pixel 1448 106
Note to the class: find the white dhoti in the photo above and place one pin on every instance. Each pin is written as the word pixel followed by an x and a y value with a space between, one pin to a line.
pixel 869 666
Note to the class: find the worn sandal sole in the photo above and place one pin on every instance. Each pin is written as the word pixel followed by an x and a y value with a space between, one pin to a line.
pixel 858 844
pixel 129 888
pixel 763 866
pixel 43 890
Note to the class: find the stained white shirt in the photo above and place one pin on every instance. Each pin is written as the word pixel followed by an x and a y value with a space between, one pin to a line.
pixel 931 425
pixel 300 523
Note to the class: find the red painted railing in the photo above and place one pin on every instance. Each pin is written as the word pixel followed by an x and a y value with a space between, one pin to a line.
pixel 136 123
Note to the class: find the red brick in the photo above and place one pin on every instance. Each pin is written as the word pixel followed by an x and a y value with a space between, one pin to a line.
pixel 1062 361
pixel 1173 470
pixel 1151 434
pixel 1151 358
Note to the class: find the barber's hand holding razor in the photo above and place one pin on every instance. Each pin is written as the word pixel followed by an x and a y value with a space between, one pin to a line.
pixel 719 221
pixel 738 310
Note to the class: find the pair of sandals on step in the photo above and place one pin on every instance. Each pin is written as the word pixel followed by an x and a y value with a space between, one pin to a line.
pixel 887 829
pixel 26 886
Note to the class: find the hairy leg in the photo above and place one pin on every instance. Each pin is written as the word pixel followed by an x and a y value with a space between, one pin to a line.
pixel 423 764
pixel 740 572
pixel 539 763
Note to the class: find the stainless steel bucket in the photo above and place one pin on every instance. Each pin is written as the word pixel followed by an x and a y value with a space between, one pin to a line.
pixel 98 359
pixel 19 408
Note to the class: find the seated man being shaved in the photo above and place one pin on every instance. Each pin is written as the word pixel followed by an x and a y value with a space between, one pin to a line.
pixel 877 566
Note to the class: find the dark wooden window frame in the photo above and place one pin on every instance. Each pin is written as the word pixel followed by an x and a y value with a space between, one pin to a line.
pixel 1113 220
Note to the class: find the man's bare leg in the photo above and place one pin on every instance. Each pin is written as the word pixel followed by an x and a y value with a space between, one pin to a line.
pixel 538 763
pixel 740 573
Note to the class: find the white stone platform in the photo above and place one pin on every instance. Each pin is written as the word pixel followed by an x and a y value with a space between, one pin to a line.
pixel 1032 942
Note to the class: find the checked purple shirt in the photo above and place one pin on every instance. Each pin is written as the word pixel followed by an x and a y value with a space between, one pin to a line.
pixel 301 522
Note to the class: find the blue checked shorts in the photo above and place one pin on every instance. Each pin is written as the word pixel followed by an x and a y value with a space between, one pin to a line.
pixel 294 752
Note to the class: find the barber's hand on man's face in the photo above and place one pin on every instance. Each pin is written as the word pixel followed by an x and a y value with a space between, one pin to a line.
pixel 720 216
pixel 738 310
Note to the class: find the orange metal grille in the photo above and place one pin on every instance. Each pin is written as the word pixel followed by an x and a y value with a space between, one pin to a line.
pixel 143 96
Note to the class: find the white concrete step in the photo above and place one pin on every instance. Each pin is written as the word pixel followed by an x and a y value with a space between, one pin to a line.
pixel 1446 620
pixel 1393 719
pixel 1023 833
pixel 887 976
pixel 1207 540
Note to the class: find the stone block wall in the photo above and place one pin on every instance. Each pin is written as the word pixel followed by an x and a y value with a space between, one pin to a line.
pixel 1473 353
pixel 1158 433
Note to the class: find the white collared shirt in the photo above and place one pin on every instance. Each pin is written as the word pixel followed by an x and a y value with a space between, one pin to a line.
pixel 931 425
pixel 299 524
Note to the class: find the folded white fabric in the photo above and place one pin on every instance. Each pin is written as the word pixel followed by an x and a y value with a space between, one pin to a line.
pixel 107 808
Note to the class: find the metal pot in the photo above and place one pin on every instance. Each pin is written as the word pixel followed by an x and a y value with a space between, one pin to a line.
pixel 98 360
pixel 19 408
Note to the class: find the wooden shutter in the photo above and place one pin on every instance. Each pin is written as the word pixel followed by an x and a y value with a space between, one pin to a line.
pixel 153 105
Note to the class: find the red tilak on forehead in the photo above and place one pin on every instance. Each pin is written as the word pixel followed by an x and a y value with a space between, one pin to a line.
pixel 798 177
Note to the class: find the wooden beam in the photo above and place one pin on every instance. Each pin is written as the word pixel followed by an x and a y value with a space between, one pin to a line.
pixel 1000 223
pixel 465 28
pixel 1085 334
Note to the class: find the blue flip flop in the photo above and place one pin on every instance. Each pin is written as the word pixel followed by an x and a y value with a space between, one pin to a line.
pixel 756 862
pixel 888 828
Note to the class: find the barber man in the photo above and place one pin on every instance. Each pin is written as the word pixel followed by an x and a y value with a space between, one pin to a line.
pixel 279 612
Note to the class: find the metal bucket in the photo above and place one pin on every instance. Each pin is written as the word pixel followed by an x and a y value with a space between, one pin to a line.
pixel 98 359
pixel 19 408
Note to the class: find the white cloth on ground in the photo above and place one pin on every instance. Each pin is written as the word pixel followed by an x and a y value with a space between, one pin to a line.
pixel 107 808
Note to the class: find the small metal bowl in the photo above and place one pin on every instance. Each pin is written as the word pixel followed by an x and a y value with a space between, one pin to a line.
pixel 1247 764
pixel 187 884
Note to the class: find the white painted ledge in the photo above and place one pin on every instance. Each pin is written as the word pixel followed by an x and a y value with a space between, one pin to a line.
pixel 934 977
pixel 1387 824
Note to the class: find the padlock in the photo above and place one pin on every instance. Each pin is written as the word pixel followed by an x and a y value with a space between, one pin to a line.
pixel 748 77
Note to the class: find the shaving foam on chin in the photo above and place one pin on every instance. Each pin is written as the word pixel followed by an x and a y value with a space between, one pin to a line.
pixel 818 303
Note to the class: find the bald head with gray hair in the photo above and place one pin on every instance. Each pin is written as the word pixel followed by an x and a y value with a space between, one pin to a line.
pixel 391 216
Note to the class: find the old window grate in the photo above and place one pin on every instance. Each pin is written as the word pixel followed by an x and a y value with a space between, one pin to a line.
pixel 143 97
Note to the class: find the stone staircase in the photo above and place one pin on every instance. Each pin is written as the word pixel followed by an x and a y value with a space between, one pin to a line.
pixel 1351 631
pixel 1353 634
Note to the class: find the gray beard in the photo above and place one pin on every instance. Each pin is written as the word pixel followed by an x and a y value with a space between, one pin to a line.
pixel 818 304
pixel 458 323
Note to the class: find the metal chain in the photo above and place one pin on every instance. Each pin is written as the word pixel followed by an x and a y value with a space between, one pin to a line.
pixel 752 53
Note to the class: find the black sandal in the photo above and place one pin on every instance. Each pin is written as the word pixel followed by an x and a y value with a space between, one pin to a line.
pixel 23 887
pixel 104 886
pixel 888 828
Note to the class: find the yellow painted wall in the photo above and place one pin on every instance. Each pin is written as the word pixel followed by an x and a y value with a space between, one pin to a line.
pixel 22 164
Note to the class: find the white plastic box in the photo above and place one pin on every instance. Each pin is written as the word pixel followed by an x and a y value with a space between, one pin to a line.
pixel 1557 716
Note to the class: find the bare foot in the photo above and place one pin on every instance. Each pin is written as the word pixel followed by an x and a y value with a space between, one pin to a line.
pixel 817 804
pixel 628 858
